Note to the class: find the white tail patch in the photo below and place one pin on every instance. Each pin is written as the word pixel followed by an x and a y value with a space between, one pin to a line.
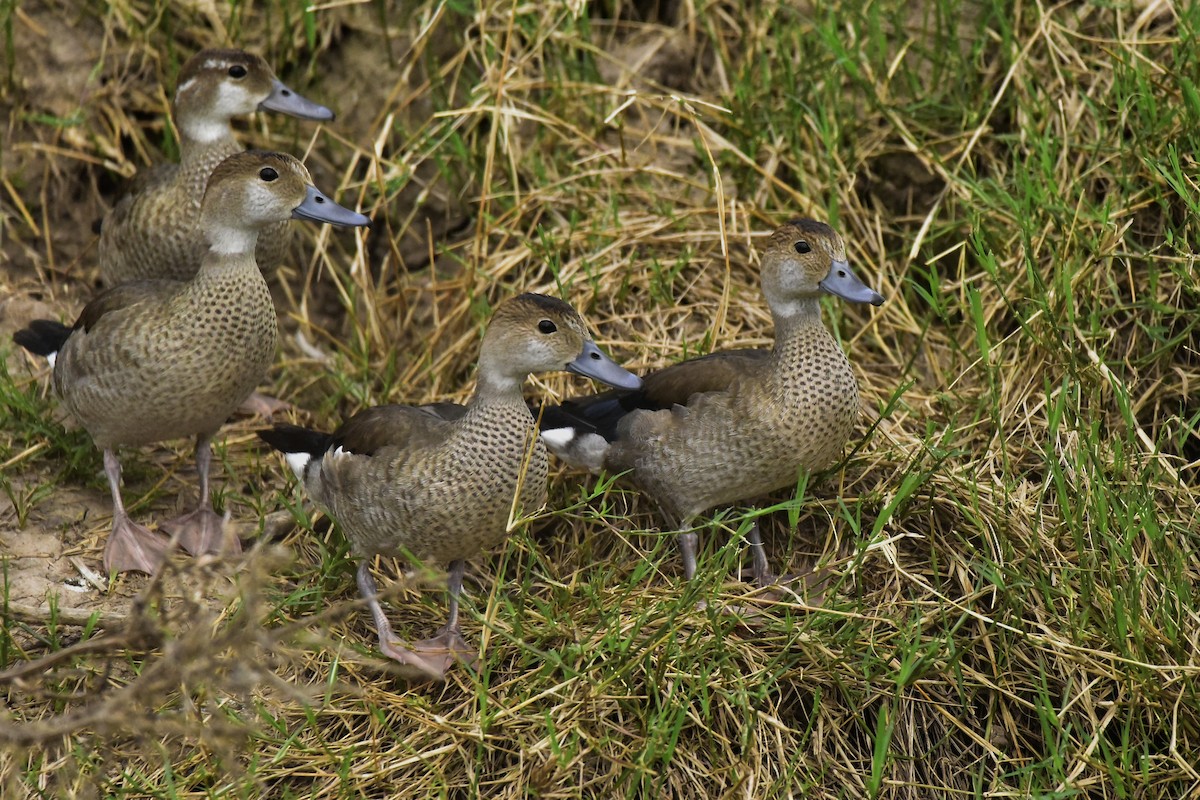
pixel 586 451
pixel 298 461
pixel 558 438
pixel 52 357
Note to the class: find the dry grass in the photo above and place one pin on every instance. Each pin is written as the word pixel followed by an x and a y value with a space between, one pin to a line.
pixel 1010 546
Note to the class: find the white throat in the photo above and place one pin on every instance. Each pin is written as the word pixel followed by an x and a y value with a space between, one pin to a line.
pixel 493 382
pixel 797 308
pixel 205 131
pixel 232 241
pixel 212 125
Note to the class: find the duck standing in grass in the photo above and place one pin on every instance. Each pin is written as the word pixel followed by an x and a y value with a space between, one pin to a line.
pixel 154 232
pixel 164 359
pixel 733 425
pixel 442 483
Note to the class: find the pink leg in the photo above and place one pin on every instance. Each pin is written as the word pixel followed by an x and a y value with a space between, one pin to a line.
pixel 687 551
pixel 130 547
pixel 203 530
pixel 430 658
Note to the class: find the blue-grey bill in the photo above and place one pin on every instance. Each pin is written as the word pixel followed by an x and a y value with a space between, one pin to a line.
pixel 842 281
pixel 285 101
pixel 593 363
pixel 320 208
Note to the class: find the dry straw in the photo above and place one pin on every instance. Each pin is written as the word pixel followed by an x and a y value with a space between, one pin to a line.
pixel 999 597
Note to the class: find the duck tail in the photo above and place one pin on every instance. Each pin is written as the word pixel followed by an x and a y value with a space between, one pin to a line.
pixel 298 445
pixel 43 337
pixel 580 431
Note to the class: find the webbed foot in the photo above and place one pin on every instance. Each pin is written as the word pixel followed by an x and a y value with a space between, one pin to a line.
pixel 432 658
pixel 133 548
pixel 262 405
pixel 203 531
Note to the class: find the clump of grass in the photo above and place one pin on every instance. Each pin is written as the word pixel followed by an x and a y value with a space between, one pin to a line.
pixel 25 408
pixel 1004 566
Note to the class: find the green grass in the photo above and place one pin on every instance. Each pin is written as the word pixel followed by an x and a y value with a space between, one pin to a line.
pixel 1008 551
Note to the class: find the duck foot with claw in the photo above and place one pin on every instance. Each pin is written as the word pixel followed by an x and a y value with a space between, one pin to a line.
pixel 263 405
pixel 134 548
pixel 203 531
pixel 429 658
pixel 433 657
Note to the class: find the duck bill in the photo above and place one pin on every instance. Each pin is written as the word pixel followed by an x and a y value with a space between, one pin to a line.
pixel 593 363
pixel 842 281
pixel 319 208
pixel 285 101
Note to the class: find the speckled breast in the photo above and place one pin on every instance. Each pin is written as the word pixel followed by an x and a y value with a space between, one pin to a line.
pixel 156 233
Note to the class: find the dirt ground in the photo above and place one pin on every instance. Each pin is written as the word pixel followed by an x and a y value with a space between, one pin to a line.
pixel 87 116
pixel 79 121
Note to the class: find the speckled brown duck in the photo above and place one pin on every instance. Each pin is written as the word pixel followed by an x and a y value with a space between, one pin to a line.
pixel 731 426
pixel 154 232
pixel 440 483
pixel 164 359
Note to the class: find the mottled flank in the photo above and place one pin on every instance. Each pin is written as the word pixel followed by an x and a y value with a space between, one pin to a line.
pixel 164 359
pixel 154 232
pixel 732 426
pixel 448 494
pixel 790 412
pixel 443 483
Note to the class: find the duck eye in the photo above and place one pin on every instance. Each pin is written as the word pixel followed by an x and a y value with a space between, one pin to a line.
pixel 268 174
pixel 802 247
pixel 546 326
pixel 237 71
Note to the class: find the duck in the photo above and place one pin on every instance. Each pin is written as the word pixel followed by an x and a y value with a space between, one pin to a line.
pixel 164 359
pixel 443 483
pixel 730 426
pixel 153 232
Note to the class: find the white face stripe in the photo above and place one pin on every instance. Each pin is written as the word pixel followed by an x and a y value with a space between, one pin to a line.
pixel 185 86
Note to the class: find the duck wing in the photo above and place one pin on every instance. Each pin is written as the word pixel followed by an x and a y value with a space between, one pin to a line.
pixel 668 388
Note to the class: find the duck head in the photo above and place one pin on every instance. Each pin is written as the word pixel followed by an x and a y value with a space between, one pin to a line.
pixel 248 191
pixel 217 85
pixel 805 258
pixel 535 333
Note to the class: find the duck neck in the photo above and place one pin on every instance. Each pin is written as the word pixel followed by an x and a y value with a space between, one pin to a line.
pixel 796 318
pixel 231 240
pixel 495 388
pixel 203 143
pixel 202 131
